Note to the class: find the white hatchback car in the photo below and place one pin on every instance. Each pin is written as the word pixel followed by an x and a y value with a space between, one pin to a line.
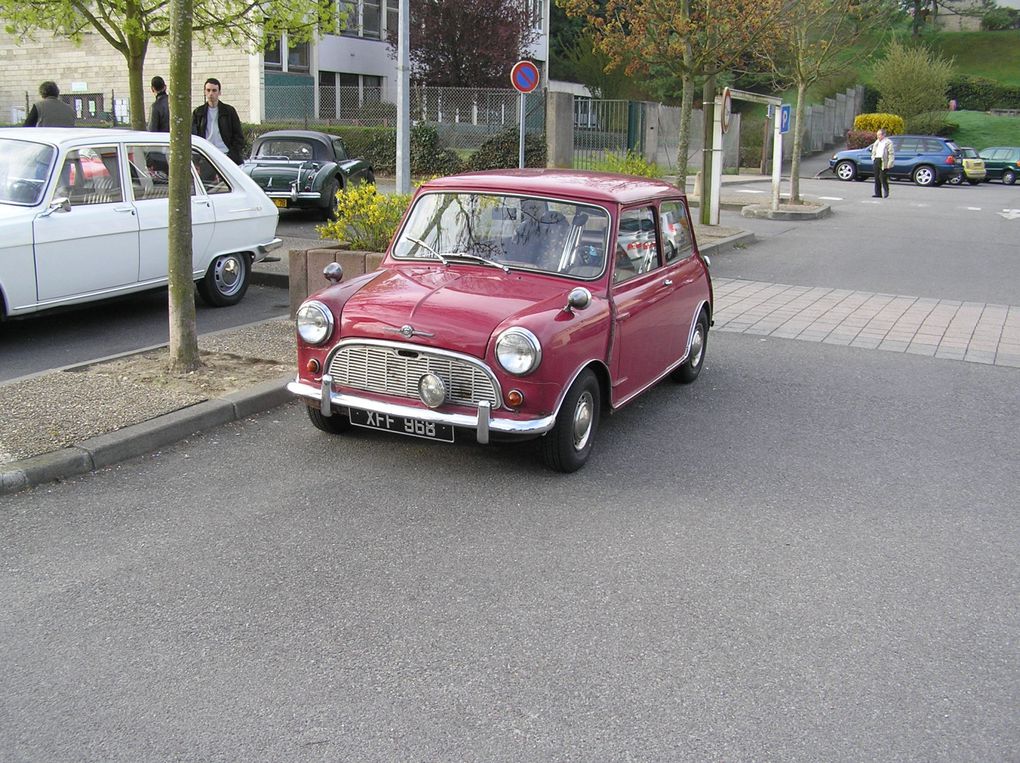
pixel 83 216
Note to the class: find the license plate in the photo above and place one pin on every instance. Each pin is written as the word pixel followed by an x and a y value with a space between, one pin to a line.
pixel 402 425
pixel 281 203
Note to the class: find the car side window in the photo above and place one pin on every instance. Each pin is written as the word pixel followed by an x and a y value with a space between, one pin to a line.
pixel 1000 153
pixel 339 150
pixel 934 147
pixel 212 179
pixel 149 168
pixel 908 146
pixel 91 176
pixel 676 231
pixel 637 246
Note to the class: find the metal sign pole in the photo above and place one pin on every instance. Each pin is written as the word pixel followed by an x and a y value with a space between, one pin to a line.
pixel 520 155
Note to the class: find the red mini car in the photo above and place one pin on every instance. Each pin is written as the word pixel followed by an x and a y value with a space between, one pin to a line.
pixel 511 304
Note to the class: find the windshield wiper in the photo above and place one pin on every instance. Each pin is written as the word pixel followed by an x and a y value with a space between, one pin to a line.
pixel 483 260
pixel 419 242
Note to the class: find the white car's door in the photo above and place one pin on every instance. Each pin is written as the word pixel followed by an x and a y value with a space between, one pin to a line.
pixel 149 170
pixel 93 247
pixel 233 207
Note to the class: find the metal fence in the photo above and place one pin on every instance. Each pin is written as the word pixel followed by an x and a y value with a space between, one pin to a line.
pixel 464 117
pixel 603 127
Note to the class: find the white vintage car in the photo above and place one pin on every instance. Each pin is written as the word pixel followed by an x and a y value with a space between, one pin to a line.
pixel 83 216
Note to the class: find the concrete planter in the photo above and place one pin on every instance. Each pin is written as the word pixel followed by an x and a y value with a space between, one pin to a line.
pixel 306 266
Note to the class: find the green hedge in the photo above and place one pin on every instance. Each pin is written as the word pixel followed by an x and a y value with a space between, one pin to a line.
pixel 982 94
pixel 502 151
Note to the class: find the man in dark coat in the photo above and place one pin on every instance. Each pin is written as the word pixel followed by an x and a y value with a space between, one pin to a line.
pixel 50 111
pixel 218 123
pixel 159 117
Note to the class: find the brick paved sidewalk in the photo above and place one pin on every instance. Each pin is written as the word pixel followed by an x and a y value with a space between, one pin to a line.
pixel 971 331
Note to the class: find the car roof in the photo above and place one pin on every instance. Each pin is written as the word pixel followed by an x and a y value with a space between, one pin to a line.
pixel 307 134
pixel 604 187
pixel 60 135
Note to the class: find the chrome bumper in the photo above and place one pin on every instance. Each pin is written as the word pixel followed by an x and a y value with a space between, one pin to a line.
pixel 263 249
pixel 294 195
pixel 483 422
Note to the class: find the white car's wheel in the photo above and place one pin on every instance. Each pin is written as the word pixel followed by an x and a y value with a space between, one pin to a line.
pixel 227 279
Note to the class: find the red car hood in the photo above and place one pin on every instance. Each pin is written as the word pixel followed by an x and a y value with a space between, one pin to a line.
pixel 460 307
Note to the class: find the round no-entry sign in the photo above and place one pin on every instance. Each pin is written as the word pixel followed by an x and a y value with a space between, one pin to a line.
pixel 524 76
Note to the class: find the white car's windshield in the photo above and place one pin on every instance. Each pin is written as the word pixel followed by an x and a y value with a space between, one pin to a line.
pixel 24 169
pixel 508 232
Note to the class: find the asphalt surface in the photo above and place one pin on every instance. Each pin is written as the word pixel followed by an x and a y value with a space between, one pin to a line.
pixel 809 554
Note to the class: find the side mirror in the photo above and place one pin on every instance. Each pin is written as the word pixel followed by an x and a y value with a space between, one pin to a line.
pixel 578 299
pixel 333 272
pixel 59 204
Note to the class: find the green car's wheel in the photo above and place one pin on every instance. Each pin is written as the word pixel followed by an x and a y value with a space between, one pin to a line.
pixel 332 202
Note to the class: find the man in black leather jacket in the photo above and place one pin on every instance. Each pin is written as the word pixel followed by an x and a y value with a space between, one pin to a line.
pixel 159 117
pixel 224 130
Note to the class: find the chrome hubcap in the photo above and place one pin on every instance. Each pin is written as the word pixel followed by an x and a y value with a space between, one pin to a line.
pixel 583 415
pixel 228 275
pixel 697 347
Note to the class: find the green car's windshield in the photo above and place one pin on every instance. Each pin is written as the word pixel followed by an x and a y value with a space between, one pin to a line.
pixel 24 170
pixel 558 237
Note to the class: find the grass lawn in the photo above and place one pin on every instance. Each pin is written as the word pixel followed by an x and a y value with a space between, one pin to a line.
pixel 981 130
pixel 995 55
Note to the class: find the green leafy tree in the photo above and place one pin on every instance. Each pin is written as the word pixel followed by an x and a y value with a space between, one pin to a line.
pixel 912 80
pixel 687 38
pixel 818 39
pixel 129 26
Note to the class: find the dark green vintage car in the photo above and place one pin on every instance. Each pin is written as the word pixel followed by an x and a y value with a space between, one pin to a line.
pixel 304 169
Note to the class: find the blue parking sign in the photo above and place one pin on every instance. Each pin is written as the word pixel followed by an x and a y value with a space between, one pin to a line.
pixel 784 118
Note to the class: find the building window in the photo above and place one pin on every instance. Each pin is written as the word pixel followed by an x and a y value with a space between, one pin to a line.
pixel 392 14
pixel 365 18
pixel 271 55
pixel 298 57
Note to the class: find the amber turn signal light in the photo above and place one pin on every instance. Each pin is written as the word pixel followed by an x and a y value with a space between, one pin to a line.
pixel 514 398
pixel 313 366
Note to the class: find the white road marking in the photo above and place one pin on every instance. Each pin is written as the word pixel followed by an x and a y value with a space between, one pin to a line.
pixel 973 209
pixel 1011 214
pixel 831 198
pixel 750 190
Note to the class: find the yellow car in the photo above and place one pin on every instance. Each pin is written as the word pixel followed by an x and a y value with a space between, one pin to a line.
pixel 973 168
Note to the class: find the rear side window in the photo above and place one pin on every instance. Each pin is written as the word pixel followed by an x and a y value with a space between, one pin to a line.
pixel 908 146
pixel 637 249
pixel 212 179
pixel 676 231
pixel 935 147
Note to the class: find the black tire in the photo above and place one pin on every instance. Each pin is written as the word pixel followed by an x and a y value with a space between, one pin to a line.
pixel 956 180
pixel 227 279
pixel 1008 177
pixel 567 447
pixel 845 170
pixel 974 182
pixel 329 211
pixel 370 177
pixel 688 371
pixel 335 424
pixel 924 175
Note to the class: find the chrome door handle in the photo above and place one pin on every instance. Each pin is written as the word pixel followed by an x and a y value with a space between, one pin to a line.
pixel 668 282
pixel 124 209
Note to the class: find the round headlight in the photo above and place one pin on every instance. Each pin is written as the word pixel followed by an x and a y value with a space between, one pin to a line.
pixel 518 351
pixel 431 390
pixel 314 322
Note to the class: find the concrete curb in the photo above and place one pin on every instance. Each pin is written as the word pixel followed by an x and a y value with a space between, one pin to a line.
pixel 728 243
pixel 144 437
pixel 765 212
pixel 269 278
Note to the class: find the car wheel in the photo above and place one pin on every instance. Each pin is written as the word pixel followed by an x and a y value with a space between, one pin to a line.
pixel 567 447
pixel 846 170
pixel 335 424
pixel 226 281
pixel 955 180
pixel 1009 177
pixel 370 177
pixel 974 182
pixel 924 175
pixel 332 202
pixel 688 371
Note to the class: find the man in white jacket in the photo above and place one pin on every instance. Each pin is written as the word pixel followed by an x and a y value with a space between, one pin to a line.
pixel 883 156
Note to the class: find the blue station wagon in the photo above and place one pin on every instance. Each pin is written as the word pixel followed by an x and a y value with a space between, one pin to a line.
pixel 924 159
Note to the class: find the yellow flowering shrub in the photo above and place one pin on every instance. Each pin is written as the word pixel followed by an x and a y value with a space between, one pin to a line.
pixel 891 123
pixel 366 219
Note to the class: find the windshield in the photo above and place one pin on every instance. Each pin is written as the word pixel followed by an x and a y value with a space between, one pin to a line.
pixel 24 169
pixel 508 231
pixel 286 148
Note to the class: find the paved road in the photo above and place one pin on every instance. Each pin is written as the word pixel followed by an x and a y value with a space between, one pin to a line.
pixel 52 340
pixel 810 554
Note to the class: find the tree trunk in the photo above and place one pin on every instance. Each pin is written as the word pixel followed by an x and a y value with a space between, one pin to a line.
pixel 137 45
pixel 798 132
pixel 684 139
pixel 184 355
pixel 708 105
